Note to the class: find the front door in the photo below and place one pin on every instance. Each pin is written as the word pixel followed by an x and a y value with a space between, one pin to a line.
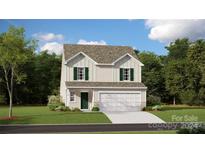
pixel 84 100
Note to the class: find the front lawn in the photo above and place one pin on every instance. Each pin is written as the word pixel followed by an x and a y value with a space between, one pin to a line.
pixel 42 115
pixel 132 132
pixel 181 115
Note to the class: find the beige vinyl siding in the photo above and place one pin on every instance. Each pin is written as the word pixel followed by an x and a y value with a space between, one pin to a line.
pixel 139 71
pixel 63 78
pixel 81 61
pixel 143 98
pixel 127 62
pixel 111 73
pixel 104 73
pixel 77 102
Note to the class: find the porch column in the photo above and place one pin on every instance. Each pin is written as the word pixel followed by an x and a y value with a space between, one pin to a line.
pixel 93 100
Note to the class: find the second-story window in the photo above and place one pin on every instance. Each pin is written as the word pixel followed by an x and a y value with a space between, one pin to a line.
pixel 126 74
pixel 81 73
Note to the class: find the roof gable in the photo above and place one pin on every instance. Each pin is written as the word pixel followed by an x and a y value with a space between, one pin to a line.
pixel 76 55
pixel 101 54
pixel 125 55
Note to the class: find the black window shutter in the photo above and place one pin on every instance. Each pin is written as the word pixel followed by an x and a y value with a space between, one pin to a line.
pixel 121 74
pixel 132 74
pixel 86 73
pixel 75 73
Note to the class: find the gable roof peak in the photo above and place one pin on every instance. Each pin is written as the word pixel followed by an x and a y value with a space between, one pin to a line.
pixel 106 54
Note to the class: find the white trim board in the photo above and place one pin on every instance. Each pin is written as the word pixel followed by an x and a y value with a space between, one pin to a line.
pixel 73 57
pixel 112 64
pixel 140 88
pixel 141 64
pixel 121 92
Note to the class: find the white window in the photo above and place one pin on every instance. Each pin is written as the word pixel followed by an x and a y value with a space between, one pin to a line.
pixel 72 96
pixel 126 74
pixel 80 73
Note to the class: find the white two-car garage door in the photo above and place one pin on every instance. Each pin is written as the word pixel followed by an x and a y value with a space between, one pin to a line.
pixel 113 101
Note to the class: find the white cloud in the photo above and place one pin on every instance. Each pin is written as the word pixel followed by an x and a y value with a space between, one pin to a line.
pixel 53 47
pixel 48 36
pixel 101 42
pixel 134 48
pixel 169 30
pixel 131 19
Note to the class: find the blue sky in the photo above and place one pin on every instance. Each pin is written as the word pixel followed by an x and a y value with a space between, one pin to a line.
pixel 133 33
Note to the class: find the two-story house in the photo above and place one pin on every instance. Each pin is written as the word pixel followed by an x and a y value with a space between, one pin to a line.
pixel 105 76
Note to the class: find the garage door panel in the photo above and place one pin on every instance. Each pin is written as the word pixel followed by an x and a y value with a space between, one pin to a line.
pixel 120 101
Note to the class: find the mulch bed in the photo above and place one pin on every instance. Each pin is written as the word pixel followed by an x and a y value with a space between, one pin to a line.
pixel 9 118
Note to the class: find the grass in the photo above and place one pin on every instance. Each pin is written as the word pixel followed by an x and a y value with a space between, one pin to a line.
pixel 179 107
pixel 42 115
pixel 132 132
pixel 181 115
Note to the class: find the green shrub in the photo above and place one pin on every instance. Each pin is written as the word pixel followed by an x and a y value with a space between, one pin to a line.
pixel 156 108
pixel 153 108
pixel 201 94
pixel 52 107
pixel 59 108
pixel 187 96
pixel 95 109
pixel 62 108
pixel 183 131
pixel 54 99
pixel 153 100
pixel 66 108
pixel 54 102
pixel 76 110
pixel 198 101
pixel 147 108
pixel 195 130
pixel 180 107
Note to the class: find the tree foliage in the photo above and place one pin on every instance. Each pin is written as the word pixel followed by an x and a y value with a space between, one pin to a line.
pixel 185 75
pixel 43 72
pixel 178 49
pixel 35 75
pixel 179 76
pixel 14 51
pixel 153 75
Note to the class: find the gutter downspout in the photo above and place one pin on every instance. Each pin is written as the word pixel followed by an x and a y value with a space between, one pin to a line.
pixel 66 89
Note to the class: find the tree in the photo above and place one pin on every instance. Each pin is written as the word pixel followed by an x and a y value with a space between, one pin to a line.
pixel 14 51
pixel 152 74
pixel 2 89
pixel 178 49
pixel 177 69
pixel 187 96
pixel 196 56
pixel 42 79
pixel 50 77
pixel 176 77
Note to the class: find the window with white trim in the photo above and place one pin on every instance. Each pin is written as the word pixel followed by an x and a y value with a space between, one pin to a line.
pixel 72 96
pixel 80 73
pixel 126 74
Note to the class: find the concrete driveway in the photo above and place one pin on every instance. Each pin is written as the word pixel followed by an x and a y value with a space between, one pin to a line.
pixel 132 117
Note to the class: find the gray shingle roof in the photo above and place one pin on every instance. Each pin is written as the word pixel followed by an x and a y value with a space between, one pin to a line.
pixel 99 53
pixel 104 84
